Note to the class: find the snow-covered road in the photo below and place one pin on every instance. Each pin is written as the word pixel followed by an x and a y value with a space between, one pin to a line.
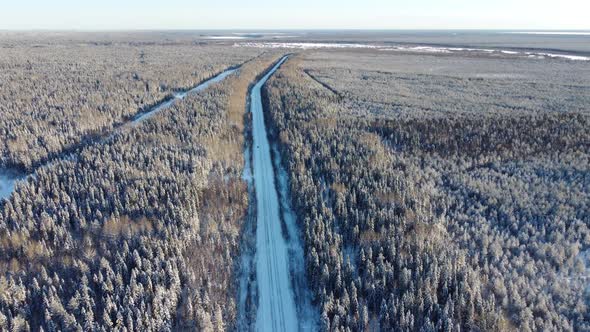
pixel 8 178
pixel 276 304
pixel 180 95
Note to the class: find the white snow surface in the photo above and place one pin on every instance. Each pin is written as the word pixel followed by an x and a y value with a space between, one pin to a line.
pixel 7 182
pixel 563 56
pixel 226 37
pixel 559 33
pixel 303 45
pixel 413 49
pixel 276 304
pixel 306 311
pixel 180 95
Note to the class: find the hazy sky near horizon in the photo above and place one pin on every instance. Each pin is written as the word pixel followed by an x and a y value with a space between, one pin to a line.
pixel 299 14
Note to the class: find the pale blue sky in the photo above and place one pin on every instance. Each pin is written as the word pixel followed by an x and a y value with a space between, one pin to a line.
pixel 294 14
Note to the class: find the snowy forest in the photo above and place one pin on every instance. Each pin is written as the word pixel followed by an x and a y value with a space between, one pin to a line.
pixel 138 232
pixel 414 190
pixel 438 200
pixel 56 97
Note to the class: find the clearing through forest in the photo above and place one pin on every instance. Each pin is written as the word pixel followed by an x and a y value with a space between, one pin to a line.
pixel 8 178
pixel 276 304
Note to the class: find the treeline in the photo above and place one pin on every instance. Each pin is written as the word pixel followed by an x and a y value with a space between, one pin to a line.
pixel 419 213
pixel 55 95
pixel 139 232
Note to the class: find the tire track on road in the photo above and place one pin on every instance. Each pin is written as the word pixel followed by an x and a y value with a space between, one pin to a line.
pixel 276 304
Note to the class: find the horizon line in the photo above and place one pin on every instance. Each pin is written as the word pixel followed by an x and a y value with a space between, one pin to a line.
pixel 252 30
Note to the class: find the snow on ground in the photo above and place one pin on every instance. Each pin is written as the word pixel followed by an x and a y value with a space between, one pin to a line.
pixel 412 49
pixel 8 179
pixel 7 183
pixel 226 37
pixel 584 256
pixel 251 35
pixel 561 33
pixel 536 55
pixel 577 276
pixel 307 313
pixel 303 45
pixel 180 95
pixel 562 56
pixel 247 173
pixel 246 281
pixel 276 304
